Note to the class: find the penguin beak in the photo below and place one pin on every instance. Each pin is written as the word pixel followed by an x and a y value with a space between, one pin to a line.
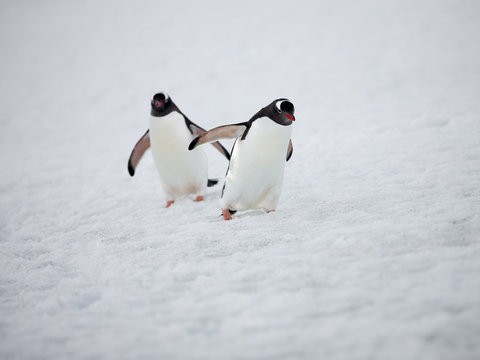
pixel 291 117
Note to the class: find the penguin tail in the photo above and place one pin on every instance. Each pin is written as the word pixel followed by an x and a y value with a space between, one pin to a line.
pixel 212 182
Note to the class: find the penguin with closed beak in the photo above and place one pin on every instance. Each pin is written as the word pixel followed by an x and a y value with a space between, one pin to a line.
pixel 262 146
pixel 182 172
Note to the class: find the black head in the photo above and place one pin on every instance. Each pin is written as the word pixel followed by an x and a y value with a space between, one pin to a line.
pixel 162 104
pixel 281 111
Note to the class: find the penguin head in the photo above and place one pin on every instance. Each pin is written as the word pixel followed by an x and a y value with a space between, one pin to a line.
pixel 161 104
pixel 281 111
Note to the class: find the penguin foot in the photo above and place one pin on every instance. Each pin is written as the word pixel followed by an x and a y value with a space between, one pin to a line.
pixel 199 198
pixel 170 202
pixel 269 211
pixel 226 214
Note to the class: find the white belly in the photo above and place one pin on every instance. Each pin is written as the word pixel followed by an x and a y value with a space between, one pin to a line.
pixel 181 171
pixel 255 175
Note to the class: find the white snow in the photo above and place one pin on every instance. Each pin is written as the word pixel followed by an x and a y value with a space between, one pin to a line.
pixel 374 250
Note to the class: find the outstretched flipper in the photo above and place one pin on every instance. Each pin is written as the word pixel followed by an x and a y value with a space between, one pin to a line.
pixel 141 146
pixel 221 132
pixel 198 131
pixel 289 150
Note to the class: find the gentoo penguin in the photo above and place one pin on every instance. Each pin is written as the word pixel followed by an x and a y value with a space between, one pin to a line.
pixel 262 147
pixel 170 131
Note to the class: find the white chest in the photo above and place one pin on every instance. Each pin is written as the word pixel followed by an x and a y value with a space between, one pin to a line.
pixel 264 148
pixel 255 175
pixel 181 171
pixel 168 131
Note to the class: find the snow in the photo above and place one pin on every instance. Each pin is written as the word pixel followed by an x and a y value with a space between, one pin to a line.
pixel 374 250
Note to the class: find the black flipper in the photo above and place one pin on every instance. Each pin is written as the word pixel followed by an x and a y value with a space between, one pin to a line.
pixel 139 149
pixel 289 150
pixel 198 130
pixel 221 132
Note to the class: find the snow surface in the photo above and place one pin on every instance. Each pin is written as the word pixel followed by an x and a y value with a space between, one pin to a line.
pixel 374 250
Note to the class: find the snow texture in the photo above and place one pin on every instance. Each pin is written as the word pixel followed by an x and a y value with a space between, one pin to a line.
pixel 374 250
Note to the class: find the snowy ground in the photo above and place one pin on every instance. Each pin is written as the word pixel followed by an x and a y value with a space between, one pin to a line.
pixel 374 251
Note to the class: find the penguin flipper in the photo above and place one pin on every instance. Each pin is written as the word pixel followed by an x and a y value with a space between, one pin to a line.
pixel 140 147
pixel 289 150
pixel 221 132
pixel 198 131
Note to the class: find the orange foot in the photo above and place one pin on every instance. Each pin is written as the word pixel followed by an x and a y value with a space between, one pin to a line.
pixel 170 202
pixel 269 211
pixel 226 214
pixel 199 198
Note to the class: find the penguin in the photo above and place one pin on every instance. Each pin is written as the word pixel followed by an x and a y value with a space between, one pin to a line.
pixel 262 147
pixel 181 172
